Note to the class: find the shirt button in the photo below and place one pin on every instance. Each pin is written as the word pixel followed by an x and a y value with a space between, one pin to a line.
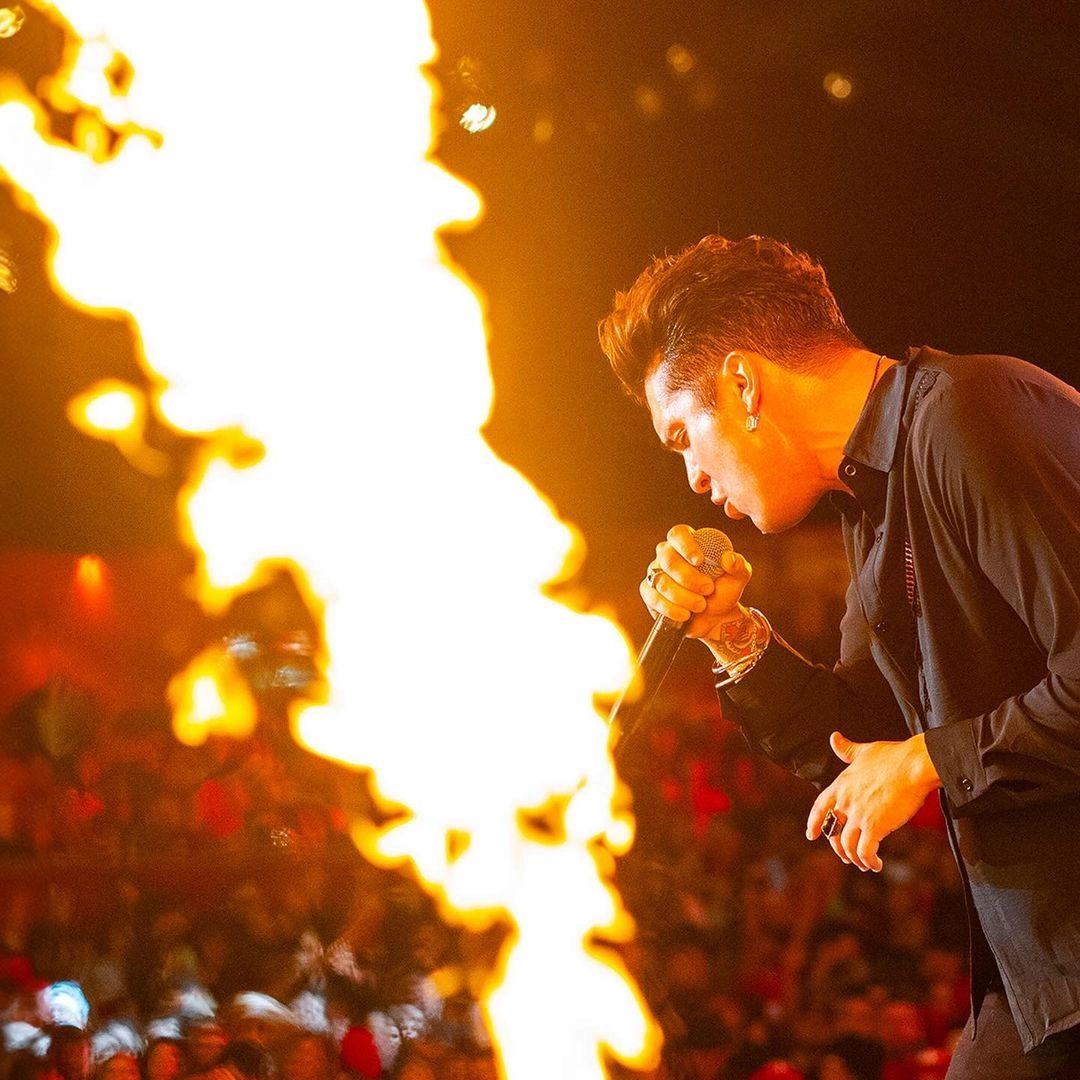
pixel 966 783
pixel 881 627
pixel 850 470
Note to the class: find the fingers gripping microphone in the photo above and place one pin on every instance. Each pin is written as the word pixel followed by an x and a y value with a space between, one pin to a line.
pixel 656 655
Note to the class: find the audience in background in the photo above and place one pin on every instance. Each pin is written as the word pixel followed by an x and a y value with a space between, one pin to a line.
pixel 172 913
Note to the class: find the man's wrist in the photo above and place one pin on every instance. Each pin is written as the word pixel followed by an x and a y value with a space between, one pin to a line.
pixel 926 774
pixel 738 644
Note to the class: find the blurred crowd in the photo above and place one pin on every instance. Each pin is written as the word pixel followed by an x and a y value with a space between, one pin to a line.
pixel 172 912
pixel 762 955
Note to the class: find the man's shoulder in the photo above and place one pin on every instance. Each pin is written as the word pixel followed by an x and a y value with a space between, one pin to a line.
pixel 980 410
pixel 973 385
pixel 973 370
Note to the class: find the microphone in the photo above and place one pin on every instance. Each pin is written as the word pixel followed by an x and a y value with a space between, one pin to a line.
pixel 656 655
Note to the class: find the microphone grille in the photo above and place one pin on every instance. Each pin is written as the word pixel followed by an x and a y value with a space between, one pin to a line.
pixel 714 543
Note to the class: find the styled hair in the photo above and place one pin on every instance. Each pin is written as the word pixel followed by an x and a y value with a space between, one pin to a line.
pixel 686 312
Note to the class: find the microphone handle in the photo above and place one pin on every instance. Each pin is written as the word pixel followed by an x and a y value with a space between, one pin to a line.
pixel 660 648
pixel 653 663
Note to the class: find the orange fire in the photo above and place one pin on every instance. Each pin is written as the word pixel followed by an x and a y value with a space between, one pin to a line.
pixel 263 200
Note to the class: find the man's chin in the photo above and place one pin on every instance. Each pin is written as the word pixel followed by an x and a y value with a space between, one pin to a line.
pixel 767 525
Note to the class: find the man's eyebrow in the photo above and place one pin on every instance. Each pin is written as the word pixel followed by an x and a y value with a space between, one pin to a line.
pixel 670 444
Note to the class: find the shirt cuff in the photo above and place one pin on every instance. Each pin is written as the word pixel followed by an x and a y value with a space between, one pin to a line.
pixel 761 700
pixel 952 749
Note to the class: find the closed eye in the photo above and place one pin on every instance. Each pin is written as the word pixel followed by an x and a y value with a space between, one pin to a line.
pixel 676 442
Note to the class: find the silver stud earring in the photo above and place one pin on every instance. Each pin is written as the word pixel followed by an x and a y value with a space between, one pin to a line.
pixel 752 422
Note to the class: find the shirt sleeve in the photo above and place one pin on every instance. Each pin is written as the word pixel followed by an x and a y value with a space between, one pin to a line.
pixel 788 707
pixel 1008 479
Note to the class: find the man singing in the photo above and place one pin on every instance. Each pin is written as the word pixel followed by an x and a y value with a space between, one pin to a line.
pixel 958 483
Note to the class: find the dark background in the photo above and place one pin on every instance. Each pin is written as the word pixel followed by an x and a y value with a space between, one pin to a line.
pixel 941 196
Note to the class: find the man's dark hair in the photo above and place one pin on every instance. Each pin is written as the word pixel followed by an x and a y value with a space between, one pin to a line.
pixel 686 312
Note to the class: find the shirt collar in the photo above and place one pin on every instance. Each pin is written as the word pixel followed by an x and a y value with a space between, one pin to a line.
pixel 877 431
pixel 872 448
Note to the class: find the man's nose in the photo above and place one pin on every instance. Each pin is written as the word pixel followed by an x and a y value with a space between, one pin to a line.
pixel 699 481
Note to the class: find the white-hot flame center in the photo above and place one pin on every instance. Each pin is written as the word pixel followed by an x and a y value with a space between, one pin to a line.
pixel 271 220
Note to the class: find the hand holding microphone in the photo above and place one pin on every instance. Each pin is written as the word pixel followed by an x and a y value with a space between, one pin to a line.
pixel 696 579
pixel 693 588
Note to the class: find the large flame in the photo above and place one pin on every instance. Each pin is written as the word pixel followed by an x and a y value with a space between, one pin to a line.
pixel 260 195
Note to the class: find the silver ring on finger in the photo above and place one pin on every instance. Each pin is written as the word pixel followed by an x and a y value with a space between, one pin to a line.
pixel 652 573
pixel 832 824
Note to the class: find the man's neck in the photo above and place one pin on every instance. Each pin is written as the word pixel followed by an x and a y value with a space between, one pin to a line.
pixel 825 406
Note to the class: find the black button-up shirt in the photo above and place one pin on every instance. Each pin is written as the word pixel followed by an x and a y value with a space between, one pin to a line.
pixel 963 621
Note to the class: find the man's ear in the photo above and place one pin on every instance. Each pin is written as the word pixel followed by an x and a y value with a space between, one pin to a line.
pixel 739 372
